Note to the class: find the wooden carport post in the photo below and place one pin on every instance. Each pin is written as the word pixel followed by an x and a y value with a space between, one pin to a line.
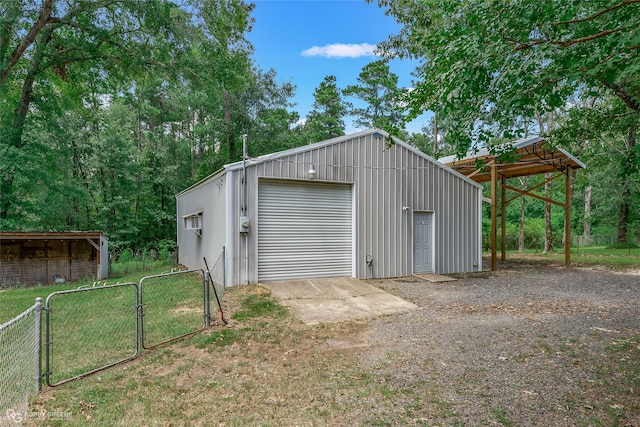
pixel 567 218
pixel 503 219
pixel 494 215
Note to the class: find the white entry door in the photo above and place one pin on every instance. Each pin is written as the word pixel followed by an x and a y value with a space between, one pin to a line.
pixel 423 242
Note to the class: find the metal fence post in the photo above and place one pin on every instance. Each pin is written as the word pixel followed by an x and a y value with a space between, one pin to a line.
pixel 207 300
pixel 39 341
pixel 47 338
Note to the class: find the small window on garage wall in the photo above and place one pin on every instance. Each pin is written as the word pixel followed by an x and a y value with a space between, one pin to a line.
pixel 193 222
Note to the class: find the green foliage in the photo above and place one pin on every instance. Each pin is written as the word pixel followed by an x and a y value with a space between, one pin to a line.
pixel 378 89
pixel 326 119
pixel 126 255
pixel 487 63
pixel 120 105
pixel 624 245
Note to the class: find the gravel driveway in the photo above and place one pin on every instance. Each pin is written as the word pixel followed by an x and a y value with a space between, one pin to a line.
pixel 538 346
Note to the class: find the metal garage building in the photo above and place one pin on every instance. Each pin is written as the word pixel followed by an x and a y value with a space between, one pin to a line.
pixel 363 205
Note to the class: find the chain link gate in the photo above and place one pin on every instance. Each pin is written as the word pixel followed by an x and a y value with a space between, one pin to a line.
pixel 90 329
pixel 173 305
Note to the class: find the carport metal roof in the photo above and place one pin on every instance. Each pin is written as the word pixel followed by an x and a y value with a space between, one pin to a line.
pixel 532 156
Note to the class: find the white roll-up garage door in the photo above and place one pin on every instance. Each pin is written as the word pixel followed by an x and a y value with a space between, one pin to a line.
pixel 304 230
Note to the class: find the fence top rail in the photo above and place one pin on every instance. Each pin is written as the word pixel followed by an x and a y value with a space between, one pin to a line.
pixel 172 273
pixel 22 315
pixel 71 291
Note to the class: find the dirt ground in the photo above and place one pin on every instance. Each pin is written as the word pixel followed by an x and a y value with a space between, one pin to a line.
pixel 529 345
pixel 538 345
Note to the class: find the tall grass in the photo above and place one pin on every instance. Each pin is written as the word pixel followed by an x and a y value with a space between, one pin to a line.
pixel 126 262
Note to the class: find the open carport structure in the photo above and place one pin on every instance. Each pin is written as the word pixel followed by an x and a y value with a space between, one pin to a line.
pixel 533 156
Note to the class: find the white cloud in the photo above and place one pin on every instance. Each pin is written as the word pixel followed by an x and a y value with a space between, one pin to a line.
pixel 341 50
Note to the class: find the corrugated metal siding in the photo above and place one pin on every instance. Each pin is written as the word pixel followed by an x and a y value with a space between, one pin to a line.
pixel 385 180
pixel 210 197
pixel 304 230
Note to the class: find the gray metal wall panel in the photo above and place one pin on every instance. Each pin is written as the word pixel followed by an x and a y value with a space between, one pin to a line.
pixel 385 179
pixel 210 197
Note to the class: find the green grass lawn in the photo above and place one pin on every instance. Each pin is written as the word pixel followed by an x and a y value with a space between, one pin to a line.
pixel 614 258
pixel 14 301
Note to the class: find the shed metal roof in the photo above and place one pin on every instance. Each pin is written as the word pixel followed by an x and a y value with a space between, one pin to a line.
pixel 49 235
pixel 534 156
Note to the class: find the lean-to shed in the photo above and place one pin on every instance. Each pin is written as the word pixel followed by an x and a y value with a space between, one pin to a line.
pixel 30 258
pixel 363 205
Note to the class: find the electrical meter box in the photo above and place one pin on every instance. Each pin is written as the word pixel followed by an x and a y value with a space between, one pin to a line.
pixel 244 224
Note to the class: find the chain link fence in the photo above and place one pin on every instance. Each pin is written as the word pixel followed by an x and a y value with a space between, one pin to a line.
pixel 592 240
pixel 20 347
pixel 90 329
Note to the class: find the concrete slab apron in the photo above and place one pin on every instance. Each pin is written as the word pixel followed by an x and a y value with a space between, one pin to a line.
pixel 335 299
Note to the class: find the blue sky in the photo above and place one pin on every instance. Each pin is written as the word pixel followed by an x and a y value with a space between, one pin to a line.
pixel 306 40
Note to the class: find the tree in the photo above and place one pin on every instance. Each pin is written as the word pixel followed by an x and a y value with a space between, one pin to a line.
pixel 603 131
pixel 378 89
pixel 15 15
pixel 113 36
pixel 486 62
pixel 115 106
pixel 326 119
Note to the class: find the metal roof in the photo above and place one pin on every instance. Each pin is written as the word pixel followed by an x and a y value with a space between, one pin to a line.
pixel 280 154
pixel 374 131
pixel 534 156
pixel 49 235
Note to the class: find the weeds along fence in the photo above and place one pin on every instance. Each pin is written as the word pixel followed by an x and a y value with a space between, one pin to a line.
pixel 89 329
pixel 140 262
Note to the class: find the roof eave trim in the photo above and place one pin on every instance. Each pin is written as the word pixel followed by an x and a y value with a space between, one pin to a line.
pixel 204 180
pixel 292 151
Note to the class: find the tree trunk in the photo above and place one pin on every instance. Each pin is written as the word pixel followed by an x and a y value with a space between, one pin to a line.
pixel 17 129
pixel 625 201
pixel 623 214
pixel 523 180
pixel 193 144
pixel 548 234
pixel 231 146
pixel 586 234
pixel 26 42
pixel 435 134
